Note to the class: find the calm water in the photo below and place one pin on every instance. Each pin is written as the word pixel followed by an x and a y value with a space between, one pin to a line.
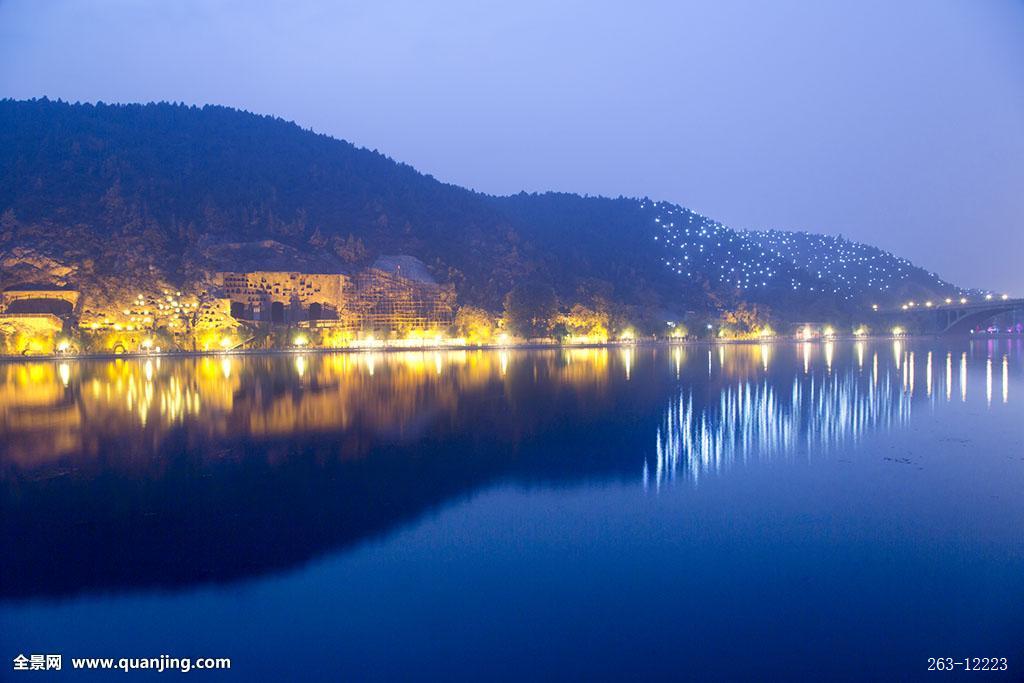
pixel 751 512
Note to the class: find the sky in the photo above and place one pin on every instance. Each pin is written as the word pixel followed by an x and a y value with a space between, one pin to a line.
pixel 897 123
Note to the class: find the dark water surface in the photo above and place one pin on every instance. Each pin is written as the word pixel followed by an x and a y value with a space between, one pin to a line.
pixel 781 511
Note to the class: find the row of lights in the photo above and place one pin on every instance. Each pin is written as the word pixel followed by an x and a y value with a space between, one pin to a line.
pixel 948 300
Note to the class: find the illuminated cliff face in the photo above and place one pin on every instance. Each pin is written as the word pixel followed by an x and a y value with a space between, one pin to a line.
pixel 284 297
pixel 383 298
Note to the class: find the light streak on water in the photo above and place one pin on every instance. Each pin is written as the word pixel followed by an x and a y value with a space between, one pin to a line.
pixel 988 380
pixel 928 370
pixel 949 377
pixel 754 420
pixel 912 373
pixel 963 377
pixel 1006 379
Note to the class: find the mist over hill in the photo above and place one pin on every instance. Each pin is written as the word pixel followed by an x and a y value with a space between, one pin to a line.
pixel 112 196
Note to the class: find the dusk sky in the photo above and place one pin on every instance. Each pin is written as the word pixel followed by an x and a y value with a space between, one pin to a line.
pixel 895 123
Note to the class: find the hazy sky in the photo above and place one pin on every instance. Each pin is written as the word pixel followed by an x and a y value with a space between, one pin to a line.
pixel 895 122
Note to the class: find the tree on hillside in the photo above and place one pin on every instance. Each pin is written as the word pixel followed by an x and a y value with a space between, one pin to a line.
pixel 582 321
pixel 475 324
pixel 531 308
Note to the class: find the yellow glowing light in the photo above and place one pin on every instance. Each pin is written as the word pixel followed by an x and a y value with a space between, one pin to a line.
pixel 587 339
pixel 829 332
pixel 147 344
pixel 225 342
pixel 910 303
pixel 928 304
pixel 806 332
pixel 988 297
pixel 897 331
pixel 627 334
pixel 300 340
pixel 860 331
pixel 904 307
pixel 948 300
pixel 503 338
pixel 1005 297
pixel 63 345
pixel 874 307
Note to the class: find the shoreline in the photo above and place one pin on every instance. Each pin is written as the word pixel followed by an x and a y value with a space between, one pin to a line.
pixel 7 359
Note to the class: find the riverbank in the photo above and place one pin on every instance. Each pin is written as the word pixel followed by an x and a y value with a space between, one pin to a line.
pixel 395 348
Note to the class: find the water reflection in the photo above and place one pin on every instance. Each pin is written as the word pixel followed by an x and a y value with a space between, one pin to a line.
pixel 760 419
pixel 264 462
pixel 757 420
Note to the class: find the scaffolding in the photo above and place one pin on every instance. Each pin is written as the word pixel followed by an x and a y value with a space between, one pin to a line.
pixel 389 302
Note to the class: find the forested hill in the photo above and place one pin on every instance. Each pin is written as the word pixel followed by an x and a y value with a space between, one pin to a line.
pixel 853 268
pixel 97 195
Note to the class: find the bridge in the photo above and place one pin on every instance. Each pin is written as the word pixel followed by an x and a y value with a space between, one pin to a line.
pixel 954 316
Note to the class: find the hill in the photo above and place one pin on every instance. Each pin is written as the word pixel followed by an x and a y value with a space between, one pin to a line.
pixel 124 197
